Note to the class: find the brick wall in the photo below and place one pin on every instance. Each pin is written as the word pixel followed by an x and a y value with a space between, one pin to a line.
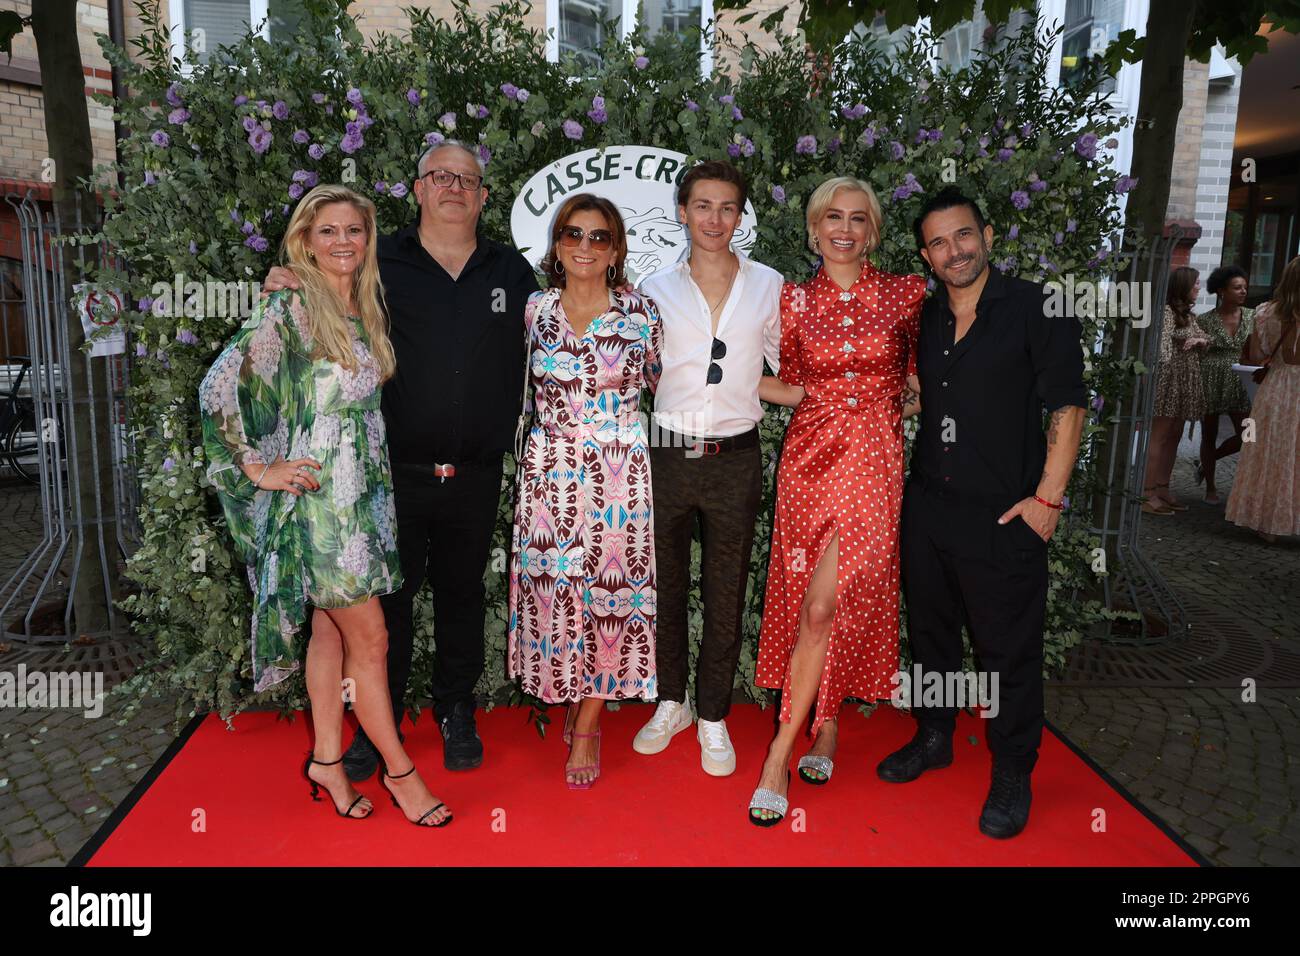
pixel 1214 175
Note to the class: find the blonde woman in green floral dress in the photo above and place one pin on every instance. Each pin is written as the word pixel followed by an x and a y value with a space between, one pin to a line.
pixel 1228 326
pixel 297 452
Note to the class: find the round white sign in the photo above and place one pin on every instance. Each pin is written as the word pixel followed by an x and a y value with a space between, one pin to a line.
pixel 640 180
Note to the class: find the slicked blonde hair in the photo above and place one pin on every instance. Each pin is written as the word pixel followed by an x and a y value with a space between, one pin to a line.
pixel 327 314
pixel 824 195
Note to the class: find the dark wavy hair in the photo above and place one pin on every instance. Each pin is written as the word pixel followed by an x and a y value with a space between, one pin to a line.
pixel 1220 277
pixel 582 202
pixel 718 169
pixel 1179 294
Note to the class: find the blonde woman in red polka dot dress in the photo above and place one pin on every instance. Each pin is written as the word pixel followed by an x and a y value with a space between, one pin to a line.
pixel 830 618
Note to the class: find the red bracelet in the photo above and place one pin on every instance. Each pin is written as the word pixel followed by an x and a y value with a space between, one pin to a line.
pixel 1044 501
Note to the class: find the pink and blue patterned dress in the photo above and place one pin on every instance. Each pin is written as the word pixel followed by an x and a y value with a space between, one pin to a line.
pixel 582 572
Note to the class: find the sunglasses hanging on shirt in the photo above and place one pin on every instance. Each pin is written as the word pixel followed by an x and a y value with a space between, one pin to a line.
pixel 715 370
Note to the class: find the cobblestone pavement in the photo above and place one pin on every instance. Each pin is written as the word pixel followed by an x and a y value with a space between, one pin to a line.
pixel 1223 773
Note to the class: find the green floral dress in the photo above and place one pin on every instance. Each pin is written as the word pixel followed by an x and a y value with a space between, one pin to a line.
pixel 265 398
pixel 1224 391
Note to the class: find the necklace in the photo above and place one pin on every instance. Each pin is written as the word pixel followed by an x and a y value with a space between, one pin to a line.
pixel 727 293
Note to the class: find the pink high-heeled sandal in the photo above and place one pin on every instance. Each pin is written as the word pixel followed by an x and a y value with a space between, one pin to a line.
pixel 577 770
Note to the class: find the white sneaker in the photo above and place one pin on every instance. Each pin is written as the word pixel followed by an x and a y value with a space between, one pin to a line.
pixel 717 756
pixel 671 718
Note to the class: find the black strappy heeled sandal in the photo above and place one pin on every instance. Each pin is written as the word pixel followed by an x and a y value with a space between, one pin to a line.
pixel 420 822
pixel 315 789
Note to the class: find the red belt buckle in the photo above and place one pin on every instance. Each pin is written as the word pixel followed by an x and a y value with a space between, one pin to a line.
pixel 444 471
pixel 717 447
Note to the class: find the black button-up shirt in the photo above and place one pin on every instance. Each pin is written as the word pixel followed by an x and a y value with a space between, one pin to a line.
pixel 459 345
pixel 982 399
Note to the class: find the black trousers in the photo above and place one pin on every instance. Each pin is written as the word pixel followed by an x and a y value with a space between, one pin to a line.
pixel 721 494
pixel 960 566
pixel 444 533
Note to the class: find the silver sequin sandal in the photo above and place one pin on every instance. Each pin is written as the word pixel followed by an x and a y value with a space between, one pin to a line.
pixel 765 799
pixel 822 765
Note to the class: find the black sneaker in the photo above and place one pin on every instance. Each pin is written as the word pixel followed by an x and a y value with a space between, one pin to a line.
pixel 461 747
pixel 930 749
pixel 361 759
pixel 1006 811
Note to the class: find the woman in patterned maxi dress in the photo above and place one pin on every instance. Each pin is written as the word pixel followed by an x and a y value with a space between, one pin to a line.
pixel 297 454
pixel 582 581
pixel 831 612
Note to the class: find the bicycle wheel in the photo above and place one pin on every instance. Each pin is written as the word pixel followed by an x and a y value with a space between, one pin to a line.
pixel 22 447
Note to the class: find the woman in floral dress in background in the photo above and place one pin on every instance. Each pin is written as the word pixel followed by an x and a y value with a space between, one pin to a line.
pixel 582 571
pixel 297 454
pixel 1228 326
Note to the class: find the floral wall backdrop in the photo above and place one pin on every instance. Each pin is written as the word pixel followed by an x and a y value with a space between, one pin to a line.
pixel 215 159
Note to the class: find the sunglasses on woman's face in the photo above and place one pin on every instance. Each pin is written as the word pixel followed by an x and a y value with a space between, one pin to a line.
pixel 572 236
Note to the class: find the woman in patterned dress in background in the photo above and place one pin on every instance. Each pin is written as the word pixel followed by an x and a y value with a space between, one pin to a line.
pixel 848 365
pixel 1179 397
pixel 298 456
pixel 1265 493
pixel 1228 326
pixel 582 574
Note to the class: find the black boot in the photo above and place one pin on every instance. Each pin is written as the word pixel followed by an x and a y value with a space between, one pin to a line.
pixel 461 747
pixel 930 749
pixel 362 759
pixel 1006 811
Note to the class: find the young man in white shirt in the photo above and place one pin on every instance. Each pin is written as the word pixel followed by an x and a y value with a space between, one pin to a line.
pixel 721 317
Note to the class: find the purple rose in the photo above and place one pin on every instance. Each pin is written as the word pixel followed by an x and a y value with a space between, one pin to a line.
pixel 736 114
pixel 1020 199
pixel 910 186
pixel 168 464
pixel 1086 145
pixel 982 153
pixel 984 141
pixel 173 94
pixel 1125 184
pixel 1038 185
pixel 1112 143
pixel 1027 131
pixel 397 190
pixel 301 136
pixel 1071 225
pixel 854 112
pixel 295 191
pixel 806 145
pixel 597 112
pixel 234 214
pixel 413 96
pixel 778 194
pixel 1004 154
pixel 161 139
pixel 834 145
pixel 315 150
pixel 140 350
pixel 284 210
pixel 306 176
pixel 522 95
pixel 280 110
pixel 693 106
pixel 194 247
pixel 484 154
pixel 641 62
pixel 248 228
pixel 1058 238
pixel 447 121
pixel 733 150
pixel 936 135
pixel 257 243
pixel 572 129
pixel 241 99
pixel 260 139
pixel 896 150
pixel 727 98
pixel 480 111
pixel 178 116
pixel 433 139
pixel 249 123
pixel 351 143
pixel 186 337
pixel 354 96
pixel 1013 232
pixel 509 90
pixel 869 137
pixel 318 98
pixel 352 128
pixel 747 147
pixel 381 186
pixel 922 135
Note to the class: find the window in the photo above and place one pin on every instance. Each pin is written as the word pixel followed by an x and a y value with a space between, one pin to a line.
pixel 580 27
pixel 223 22
pixel 1089 27
pixel 960 44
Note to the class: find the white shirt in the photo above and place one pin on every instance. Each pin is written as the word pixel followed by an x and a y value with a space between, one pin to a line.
pixel 749 324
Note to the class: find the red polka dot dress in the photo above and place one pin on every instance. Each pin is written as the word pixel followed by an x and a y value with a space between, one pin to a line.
pixel 841 472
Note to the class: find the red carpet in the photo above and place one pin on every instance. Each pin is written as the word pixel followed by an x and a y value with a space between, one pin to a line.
pixel 646 811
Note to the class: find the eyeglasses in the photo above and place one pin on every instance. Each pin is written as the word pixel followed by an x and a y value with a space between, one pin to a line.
pixel 601 239
pixel 715 370
pixel 445 177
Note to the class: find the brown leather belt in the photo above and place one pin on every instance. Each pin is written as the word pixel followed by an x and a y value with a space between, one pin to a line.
pixel 708 446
